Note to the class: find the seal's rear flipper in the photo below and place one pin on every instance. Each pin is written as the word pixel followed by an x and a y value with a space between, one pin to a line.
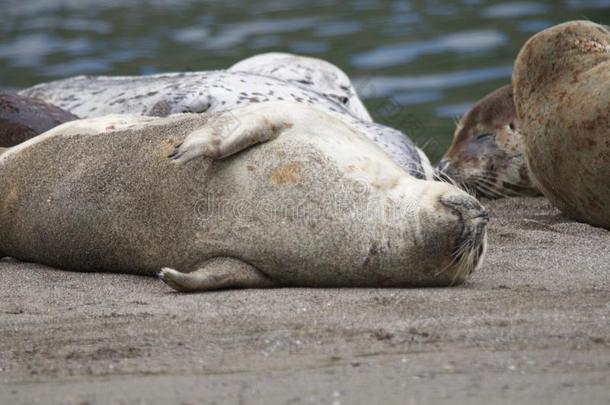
pixel 233 131
pixel 215 274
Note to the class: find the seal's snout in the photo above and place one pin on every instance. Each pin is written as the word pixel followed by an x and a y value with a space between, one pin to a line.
pixel 471 234
pixel 483 215
pixel 472 217
pixel 464 205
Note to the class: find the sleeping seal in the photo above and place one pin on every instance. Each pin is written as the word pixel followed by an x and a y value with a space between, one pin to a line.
pixel 562 95
pixel 487 154
pixel 215 91
pixel 182 92
pixel 272 194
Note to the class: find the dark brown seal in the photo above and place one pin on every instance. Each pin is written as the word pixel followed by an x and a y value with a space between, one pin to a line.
pixel 486 154
pixel 562 94
pixel 22 118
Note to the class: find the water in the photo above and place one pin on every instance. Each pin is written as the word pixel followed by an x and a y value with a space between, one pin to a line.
pixel 419 64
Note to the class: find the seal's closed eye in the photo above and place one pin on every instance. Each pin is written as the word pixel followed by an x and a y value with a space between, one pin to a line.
pixel 481 137
pixel 486 154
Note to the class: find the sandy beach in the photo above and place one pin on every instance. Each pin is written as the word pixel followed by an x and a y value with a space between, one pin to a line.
pixel 532 326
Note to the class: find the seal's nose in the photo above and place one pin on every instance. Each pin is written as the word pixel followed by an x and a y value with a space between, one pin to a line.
pixel 465 206
pixel 472 217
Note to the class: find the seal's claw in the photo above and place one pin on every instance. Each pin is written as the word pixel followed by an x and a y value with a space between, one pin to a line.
pixel 175 155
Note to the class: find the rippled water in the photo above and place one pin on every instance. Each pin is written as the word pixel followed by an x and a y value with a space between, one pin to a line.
pixel 419 64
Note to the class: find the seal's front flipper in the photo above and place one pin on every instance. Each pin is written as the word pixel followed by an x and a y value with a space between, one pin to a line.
pixel 2 150
pixel 215 274
pixel 233 131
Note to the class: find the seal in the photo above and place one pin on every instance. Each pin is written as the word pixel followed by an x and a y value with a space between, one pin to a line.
pixel 311 73
pixel 184 92
pixel 213 91
pixel 272 194
pixel 22 118
pixel 487 153
pixel 562 95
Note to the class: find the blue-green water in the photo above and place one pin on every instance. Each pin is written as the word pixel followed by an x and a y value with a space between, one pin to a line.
pixel 419 64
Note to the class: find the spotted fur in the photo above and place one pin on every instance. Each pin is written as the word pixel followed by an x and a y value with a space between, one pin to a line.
pixel 309 73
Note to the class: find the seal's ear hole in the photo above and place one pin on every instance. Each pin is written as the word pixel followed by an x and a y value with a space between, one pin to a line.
pixel 511 126
pixel 344 100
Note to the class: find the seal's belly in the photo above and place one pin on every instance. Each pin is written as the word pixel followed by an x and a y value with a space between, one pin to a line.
pixel 115 202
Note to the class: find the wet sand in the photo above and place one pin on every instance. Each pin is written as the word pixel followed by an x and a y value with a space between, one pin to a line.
pixel 533 326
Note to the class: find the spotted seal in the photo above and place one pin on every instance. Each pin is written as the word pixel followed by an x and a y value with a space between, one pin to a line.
pixel 311 73
pixel 562 95
pixel 272 194
pixel 22 118
pixel 213 91
pixel 487 154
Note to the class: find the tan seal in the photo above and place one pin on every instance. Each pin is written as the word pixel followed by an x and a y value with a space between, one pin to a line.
pixel 271 194
pixel 487 154
pixel 562 95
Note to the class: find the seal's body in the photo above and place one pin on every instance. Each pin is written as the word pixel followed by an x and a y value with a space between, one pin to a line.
pixel 562 94
pixel 487 153
pixel 215 91
pixel 314 203
pixel 22 118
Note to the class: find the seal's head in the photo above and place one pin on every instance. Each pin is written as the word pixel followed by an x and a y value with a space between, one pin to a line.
pixel 559 54
pixel 456 232
pixel 308 73
pixel 486 154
